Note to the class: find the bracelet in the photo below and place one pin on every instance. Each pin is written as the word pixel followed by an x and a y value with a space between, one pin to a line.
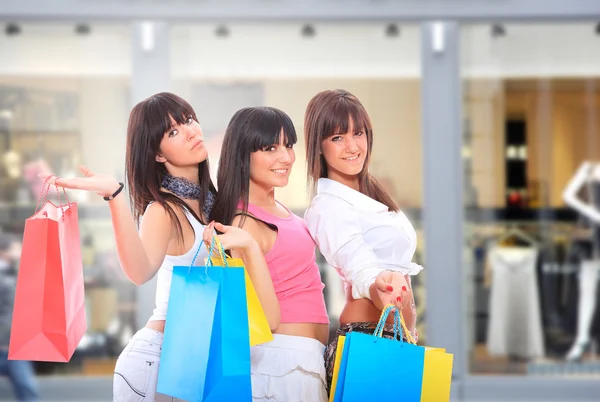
pixel 121 185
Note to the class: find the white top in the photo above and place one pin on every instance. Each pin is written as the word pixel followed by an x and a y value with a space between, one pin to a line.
pixel 359 237
pixel 165 273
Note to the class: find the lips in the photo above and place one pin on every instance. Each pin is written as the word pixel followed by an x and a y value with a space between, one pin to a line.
pixel 197 144
pixel 280 171
pixel 351 158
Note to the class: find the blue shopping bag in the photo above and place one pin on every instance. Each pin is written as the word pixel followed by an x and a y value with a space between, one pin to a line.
pixel 228 376
pixel 206 346
pixel 372 365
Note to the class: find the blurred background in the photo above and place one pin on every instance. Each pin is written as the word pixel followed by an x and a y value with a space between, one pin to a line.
pixel 483 111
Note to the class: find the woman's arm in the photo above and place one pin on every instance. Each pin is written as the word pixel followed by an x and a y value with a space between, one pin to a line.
pixel 140 254
pixel 339 236
pixel 575 184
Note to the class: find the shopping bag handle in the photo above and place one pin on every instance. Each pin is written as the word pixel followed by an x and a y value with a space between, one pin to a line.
pixel 399 324
pixel 215 242
pixel 383 318
pixel 44 194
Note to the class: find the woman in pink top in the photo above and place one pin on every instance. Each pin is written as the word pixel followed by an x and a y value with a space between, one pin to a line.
pixel 257 156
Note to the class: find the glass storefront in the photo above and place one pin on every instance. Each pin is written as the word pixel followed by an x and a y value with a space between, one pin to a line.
pixel 531 123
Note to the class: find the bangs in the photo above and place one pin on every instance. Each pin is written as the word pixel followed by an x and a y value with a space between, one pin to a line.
pixel 266 128
pixel 162 108
pixel 338 121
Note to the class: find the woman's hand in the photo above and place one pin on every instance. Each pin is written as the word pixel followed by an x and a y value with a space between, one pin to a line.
pixel 232 237
pixel 99 183
pixel 392 288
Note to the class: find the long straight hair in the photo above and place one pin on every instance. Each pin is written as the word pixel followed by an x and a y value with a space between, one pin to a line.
pixel 330 112
pixel 148 122
pixel 250 130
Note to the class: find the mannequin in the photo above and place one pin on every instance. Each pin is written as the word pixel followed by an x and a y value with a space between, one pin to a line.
pixel 588 175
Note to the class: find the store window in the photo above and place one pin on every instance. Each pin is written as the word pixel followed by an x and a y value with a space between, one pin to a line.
pixel 64 101
pixel 222 68
pixel 531 135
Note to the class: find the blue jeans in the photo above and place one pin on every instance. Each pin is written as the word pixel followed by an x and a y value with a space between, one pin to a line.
pixel 21 375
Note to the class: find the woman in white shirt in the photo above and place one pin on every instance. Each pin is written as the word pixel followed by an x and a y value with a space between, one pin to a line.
pixel 356 224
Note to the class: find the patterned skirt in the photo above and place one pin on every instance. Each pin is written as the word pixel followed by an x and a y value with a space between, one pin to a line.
pixel 363 327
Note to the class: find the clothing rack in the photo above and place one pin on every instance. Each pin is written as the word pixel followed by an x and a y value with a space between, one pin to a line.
pixel 543 231
pixel 521 214
pixel 482 215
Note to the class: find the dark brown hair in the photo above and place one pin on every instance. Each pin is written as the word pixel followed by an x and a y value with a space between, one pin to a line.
pixel 148 122
pixel 330 112
pixel 250 130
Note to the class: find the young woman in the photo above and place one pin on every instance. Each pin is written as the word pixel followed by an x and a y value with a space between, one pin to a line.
pixel 171 192
pixel 356 224
pixel 257 156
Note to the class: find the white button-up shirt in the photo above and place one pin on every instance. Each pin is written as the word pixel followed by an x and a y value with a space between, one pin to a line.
pixel 359 236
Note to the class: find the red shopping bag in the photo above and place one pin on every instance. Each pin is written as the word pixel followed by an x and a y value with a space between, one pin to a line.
pixel 49 313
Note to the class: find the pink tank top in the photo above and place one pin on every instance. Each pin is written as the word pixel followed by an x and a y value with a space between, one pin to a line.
pixel 294 270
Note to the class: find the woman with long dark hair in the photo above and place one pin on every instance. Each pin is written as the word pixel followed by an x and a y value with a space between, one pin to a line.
pixel 257 156
pixel 171 194
pixel 358 227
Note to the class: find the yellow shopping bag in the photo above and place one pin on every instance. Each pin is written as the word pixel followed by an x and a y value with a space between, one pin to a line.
pixel 260 332
pixel 437 371
pixel 336 365
pixel 437 375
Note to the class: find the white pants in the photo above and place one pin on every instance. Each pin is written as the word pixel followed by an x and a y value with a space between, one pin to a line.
pixel 288 369
pixel 136 372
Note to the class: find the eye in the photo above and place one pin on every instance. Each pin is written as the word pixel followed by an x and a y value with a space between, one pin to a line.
pixel 358 133
pixel 173 133
pixel 269 148
pixel 189 120
pixel 290 146
pixel 336 138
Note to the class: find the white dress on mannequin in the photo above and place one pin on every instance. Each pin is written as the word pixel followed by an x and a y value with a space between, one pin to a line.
pixel 515 324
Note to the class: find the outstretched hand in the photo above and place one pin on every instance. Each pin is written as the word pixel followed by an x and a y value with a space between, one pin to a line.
pixel 392 288
pixel 99 183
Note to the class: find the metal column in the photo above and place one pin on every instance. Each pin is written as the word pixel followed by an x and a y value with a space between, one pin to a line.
pixel 150 74
pixel 443 189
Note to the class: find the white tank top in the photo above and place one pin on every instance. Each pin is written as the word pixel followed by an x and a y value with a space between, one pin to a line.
pixel 165 273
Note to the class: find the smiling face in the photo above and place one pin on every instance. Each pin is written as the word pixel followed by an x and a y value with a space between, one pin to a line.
pixel 271 166
pixel 345 154
pixel 339 138
pixel 257 155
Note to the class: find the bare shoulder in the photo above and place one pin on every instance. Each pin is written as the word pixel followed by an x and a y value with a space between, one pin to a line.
pixel 257 230
pixel 156 212
pixel 158 218
pixel 249 224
